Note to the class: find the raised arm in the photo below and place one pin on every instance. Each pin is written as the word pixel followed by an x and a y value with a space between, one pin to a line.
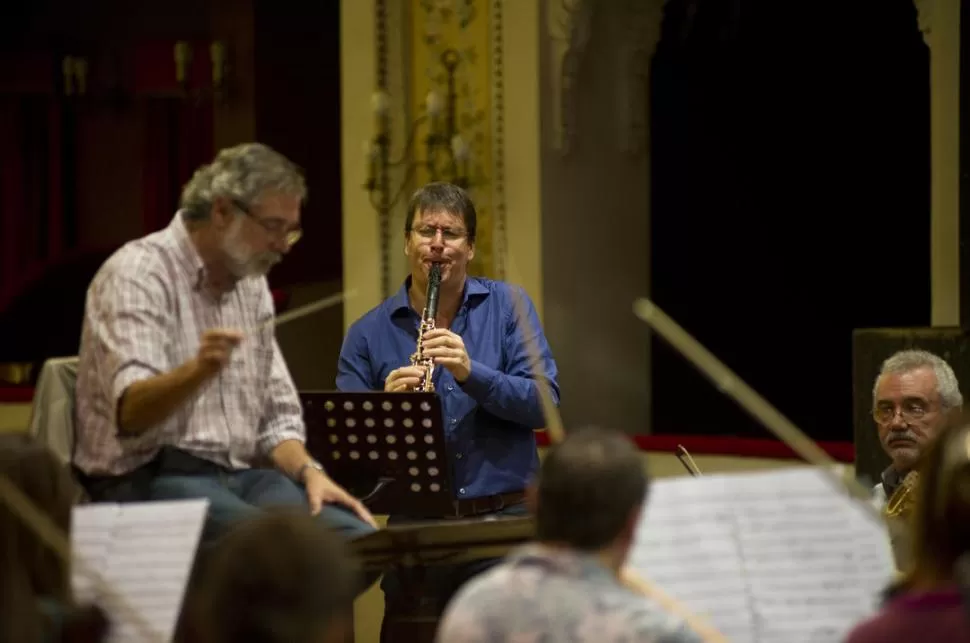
pixel 514 394
pixel 130 323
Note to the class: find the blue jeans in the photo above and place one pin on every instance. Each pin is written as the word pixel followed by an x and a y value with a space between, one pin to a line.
pixel 232 496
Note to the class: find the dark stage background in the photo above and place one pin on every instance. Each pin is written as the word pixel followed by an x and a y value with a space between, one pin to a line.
pixel 790 200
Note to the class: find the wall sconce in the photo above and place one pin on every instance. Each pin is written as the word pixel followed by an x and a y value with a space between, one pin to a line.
pixel 183 57
pixel 74 71
pixel 217 53
pixel 446 152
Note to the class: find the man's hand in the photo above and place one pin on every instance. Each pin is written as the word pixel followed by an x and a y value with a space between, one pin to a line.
pixel 320 490
pixel 405 378
pixel 448 349
pixel 215 349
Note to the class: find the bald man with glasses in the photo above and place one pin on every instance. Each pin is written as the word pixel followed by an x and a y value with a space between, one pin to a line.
pixel 913 398
pixel 182 391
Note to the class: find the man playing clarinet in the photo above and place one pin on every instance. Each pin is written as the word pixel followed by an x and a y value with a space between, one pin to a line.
pixel 483 375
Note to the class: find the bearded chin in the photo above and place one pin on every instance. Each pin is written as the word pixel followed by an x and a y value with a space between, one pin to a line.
pixel 252 266
pixel 242 262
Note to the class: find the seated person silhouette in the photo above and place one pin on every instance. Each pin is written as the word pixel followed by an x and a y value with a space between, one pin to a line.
pixel 182 391
pixel 35 584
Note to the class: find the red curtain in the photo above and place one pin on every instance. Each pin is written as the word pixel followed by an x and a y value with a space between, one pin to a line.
pixel 33 152
pixel 178 139
pixel 38 212
pixel 178 124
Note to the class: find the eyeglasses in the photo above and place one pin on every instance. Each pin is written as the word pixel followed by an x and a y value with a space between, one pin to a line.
pixel 429 232
pixel 910 410
pixel 274 226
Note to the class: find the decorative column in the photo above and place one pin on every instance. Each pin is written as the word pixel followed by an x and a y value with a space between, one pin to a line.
pixel 940 22
pixel 596 203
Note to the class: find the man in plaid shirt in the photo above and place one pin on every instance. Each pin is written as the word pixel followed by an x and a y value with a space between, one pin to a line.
pixel 182 391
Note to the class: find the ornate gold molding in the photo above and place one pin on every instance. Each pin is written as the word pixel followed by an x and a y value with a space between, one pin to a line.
pixel 642 20
pixel 496 44
pixel 924 13
pixel 569 24
pixel 462 30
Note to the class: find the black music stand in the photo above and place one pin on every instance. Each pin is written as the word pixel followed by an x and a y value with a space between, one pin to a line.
pixel 388 448
pixel 415 550
pixel 446 542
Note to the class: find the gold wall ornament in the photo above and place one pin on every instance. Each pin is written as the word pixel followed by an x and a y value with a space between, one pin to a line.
pixel 924 14
pixel 569 23
pixel 643 19
pixel 452 75
pixel 67 74
pixel 450 67
pixel 496 42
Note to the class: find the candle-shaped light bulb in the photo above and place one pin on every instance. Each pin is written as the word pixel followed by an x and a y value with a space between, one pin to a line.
pixel 182 53
pixel 379 103
pixel 217 53
pixel 433 104
pixel 81 75
pixel 459 148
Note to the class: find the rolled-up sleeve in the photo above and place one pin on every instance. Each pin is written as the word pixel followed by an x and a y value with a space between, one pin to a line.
pixel 283 415
pixel 130 321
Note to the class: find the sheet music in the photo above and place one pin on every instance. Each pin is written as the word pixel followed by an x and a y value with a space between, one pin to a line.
pixel 769 557
pixel 144 552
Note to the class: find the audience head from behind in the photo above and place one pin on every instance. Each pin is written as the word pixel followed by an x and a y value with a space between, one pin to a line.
pixel 589 494
pixel 37 604
pixel 243 211
pixel 913 398
pixel 277 578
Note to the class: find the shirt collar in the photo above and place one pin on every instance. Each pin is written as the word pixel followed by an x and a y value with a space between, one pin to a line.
pixel 188 254
pixel 399 303
pixel 891 479
pixel 560 560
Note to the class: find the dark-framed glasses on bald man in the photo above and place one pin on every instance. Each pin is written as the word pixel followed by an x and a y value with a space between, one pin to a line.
pixel 910 410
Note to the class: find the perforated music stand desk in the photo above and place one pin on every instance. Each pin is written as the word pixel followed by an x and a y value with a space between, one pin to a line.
pixel 392 445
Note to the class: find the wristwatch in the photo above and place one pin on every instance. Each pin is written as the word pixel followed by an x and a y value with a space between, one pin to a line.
pixel 312 464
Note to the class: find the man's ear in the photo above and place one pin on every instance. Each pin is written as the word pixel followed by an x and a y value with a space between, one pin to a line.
pixel 532 497
pixel 220 212
pixel 471 251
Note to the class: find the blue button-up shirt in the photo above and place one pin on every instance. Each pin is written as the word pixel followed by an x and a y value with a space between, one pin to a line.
pixel 489 420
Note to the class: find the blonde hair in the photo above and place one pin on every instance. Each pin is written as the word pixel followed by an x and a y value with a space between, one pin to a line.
pixel 241 173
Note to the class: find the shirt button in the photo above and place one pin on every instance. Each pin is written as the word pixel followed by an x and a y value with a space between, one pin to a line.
pixel 451 388
pixel 458 456
pixel 462 491
pixel 454 420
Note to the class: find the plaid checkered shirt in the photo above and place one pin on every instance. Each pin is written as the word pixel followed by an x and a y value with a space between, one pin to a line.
pixel 145 313
pixel 543 594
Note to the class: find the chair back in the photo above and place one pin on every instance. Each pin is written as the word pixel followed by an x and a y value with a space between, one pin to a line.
pixel 52 414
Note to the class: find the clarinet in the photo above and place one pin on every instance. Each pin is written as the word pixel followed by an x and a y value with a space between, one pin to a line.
pixel 427 323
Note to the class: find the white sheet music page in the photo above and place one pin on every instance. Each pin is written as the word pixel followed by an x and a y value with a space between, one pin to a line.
pixel 92 527
pixel 148 561
pixel 768 557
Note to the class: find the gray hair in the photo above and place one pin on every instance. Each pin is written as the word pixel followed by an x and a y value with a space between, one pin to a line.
pixel 910 360
pixel 241 173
